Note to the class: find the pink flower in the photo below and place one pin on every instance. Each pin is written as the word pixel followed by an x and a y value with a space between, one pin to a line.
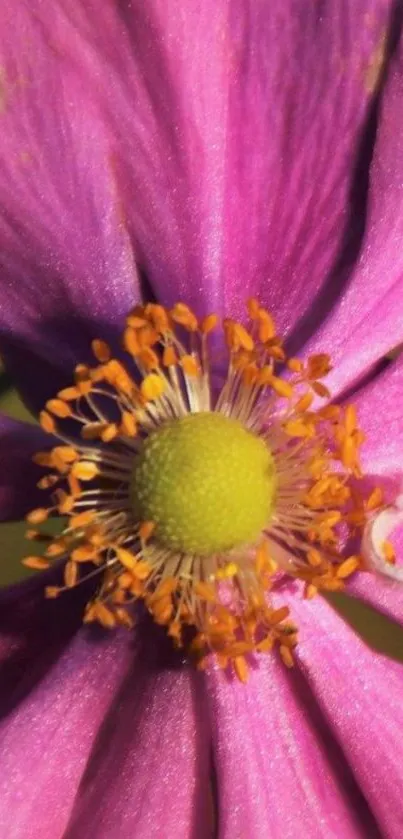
pixel 205 152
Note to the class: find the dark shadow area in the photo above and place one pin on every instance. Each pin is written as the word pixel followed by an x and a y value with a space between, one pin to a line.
pixel 18 474
pixel 35 631
pixel 339 276
pixel 5 383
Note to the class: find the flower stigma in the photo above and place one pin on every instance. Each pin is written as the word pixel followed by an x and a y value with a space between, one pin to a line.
pixel 207 482
pixel 201 503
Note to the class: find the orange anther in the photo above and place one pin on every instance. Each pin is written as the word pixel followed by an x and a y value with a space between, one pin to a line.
pixel 67 454
pixel 169 356
pixel 158 317
pixel 70 574
pixel 347 567
pixel 208 324
pixel 314 557
pixel 304 402
pixel 128 425
pixel 148 358
pixel 109 433
pixel 84 470
pixel 42 458
pixel 321 390
pixel 389 552
pixel 299 428
pixel 104 615
pixel 136 321
pixel 37 516
pixel 93 430
pixel 84 553
pixel 52 591
pixel 47 422
pixel 241 668
pixel 266 329
pixel 183 315
pixel 295 365
pixel 281 387
pixel 38 563
pixel 101 350
pixel 189 365
pixel 68 394
pixel 286 656
pixel 130 341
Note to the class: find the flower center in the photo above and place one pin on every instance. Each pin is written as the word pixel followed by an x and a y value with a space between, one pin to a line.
pixel 193 501
pixel 206 482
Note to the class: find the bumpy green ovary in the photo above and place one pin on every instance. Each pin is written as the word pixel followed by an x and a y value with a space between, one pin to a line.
pixel 206 482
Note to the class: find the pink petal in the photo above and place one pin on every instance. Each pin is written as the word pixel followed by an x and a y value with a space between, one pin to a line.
pixel 94 732
pixel 278 774
pixel 18 475
pixel 46 741
pixel 235 131
pixel 380 412
pixel 67 269
pixel 367 322
pixel 149 771
pixel 360 694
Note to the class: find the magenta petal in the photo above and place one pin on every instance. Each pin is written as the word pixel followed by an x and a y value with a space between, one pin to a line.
pixel 380 412
pixel 18 475
pixel 66 262
pixel 235 131
pixel 360 694
pixel 277 775
pixel 367 322
pixel 46 741
pixel 148 774
pixel 93 732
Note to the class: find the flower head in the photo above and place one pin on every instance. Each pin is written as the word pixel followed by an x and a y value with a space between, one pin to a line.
pixel 207 153
pixel 194 501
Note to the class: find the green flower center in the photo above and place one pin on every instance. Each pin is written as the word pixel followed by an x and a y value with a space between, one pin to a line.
pixel 206 482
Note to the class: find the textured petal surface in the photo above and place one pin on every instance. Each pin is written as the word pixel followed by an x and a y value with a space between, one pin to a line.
pixel 148 774
pixel 360 695
pixel 66 264
pixel 278 772
pixel 367 322
pixel 226 134
pixel 380 411
pixel 18 475
pixel 95 730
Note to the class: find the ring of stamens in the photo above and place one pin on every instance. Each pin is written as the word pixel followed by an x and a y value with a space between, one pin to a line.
pixel 220 600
